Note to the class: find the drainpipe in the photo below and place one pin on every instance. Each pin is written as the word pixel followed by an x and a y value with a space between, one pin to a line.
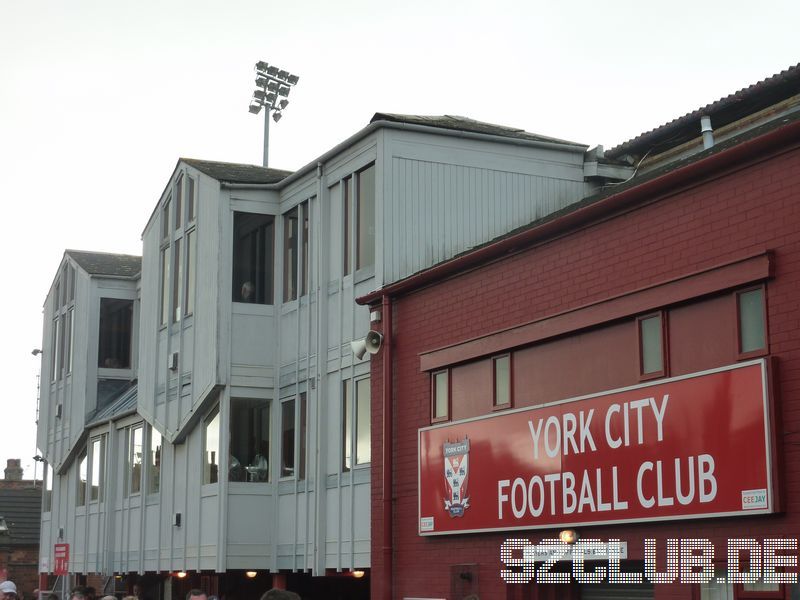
pixel 388 442
pixel 707 131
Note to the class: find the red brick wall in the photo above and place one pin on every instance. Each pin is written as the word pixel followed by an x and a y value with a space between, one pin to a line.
pixel 22 567
pixel 752 209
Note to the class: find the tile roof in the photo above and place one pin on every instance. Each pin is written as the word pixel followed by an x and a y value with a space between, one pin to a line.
pixel 21 508
pixel 103 263
pixel 236 172
pixel 733 107
pixel 466 124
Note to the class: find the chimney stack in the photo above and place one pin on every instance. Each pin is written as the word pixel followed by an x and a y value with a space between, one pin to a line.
pixel 13 470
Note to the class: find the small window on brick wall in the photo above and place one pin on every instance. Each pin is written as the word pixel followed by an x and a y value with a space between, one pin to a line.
pixel 751 322
pixel 502 381
pixel 651 345
pixel 440 396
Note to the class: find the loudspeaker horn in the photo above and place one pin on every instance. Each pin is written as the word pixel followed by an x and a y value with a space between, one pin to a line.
pixel 373 341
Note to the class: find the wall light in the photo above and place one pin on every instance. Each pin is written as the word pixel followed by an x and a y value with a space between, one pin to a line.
pixel 180 574
pixel 568 536
pixel 251 574
pixel 358 573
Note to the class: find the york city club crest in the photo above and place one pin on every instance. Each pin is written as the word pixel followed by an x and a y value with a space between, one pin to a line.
pixel 456 473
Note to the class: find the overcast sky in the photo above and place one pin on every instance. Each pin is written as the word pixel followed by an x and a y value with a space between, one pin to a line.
pixel 98 99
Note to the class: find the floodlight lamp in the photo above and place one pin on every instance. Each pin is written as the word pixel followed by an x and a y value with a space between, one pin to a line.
pixel 283 104
pixel 283 90
pixel 259 94
pixel 261 82
pixel 276 116
pixel 272 70
pixel 292 79
pixel 261 65
pixel 271 98
pixel 255 108
pixel 272 86
pixel 283 74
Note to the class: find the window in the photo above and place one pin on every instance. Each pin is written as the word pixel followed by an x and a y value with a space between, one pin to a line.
pixel 190 202
pixel 502 381
pixel 304 253
pixel 249 450
pixel 70 332
pixel 179 202
pixel 346 220
pixel 97 473
pixel 116 327
pixel 290 235
pixel 54 372
pixel 177 280
pixel 154 463
pixel 752 330
pixel 164 285
pixel 365 216
pixel 82 472
pixel 211 447
pixel 47 496
pixel 190 274
pixel 651 345
pixel 360 442
pixel 301 465
pixel 135 460
pixel 440 392
pixel 165 218
pixel 253 257
pixel 287 438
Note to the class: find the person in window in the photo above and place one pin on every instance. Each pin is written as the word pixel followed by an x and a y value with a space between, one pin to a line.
pixel 248 290
pixel 259 469
pixel 235 470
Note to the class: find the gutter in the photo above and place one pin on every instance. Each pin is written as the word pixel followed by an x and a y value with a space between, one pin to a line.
pixel 385 592
pixel 648 190
pixel 375 125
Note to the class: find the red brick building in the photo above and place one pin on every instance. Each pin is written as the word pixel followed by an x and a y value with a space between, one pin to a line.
pixel 20 505
pixel 688 272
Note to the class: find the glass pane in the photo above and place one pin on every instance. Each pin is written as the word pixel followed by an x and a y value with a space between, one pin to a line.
pixel 154 463
pixel 211 466
pixel 177 279
pixel 164 285
pixel 82 467
pixel 366 218
pixel 249 449
pixel 304 270
pixel 47 497
pixel 54 364
pixel 761 587
pixel 347 429
pixel 346 229
pixel 287 438
pixel 165 219
pixel 363 448
pixel 190 275
pixel 290 255
pixel 116 332
pixel 502 380
pixel 136 460
pixel 68 343
pixel 190 199
pixel 97 470
pixel 441 393
pixel 253 257
pixel 652 347
pixel 751 320
pixel 301 466
pixel 178 202
pixel 71 284
pixel 61 336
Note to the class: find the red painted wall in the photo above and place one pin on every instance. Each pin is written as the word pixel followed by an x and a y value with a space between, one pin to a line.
pixel 754 208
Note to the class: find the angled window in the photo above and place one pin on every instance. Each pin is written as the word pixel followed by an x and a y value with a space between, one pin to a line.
pixel 290 244
pixel 363 422
pixel 249 449
pixel 347 219
pixel 97 470
pixel 347 424
pixel 502 381
pixel 211 447
pixel 71 284
pixel 190 199
pixel 304 252
pixel 190 272
pixel 54 373
pixel 177 280
pixel 651 345
pixel 164 285
pixel 287 437
pixel 179 202
pixel 83 467
pixel 365 217
pixel 69 332
pixel 154 462
pixel 301 462
pixel 253 257
pixel 47 496
pixel 116 333
pixel 135 449
pixel 751 321
pixel 165 218
pixel 440 396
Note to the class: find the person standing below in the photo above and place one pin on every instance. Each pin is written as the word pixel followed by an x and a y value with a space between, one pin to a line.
pixel 8 591
pixel 196 594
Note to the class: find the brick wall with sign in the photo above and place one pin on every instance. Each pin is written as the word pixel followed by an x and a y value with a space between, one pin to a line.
pixel 750 209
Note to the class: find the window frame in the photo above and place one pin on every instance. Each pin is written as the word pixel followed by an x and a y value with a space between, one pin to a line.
pixel 130 461
pixel 291 244
pixel 150 467
pixel 178 259
pixel 510 403
pixel 266 279
pixel 262 406
pixel 758 352
pixel 350 423
pixel 740 592
pixel 47 492
pixel 358 221
pixel 81 488
pixel 664 371
pixel 446 417
pixel 214 413
pixel 63 323
pixel 98 442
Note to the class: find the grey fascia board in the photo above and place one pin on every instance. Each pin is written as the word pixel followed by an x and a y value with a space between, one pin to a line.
pixel 374 126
